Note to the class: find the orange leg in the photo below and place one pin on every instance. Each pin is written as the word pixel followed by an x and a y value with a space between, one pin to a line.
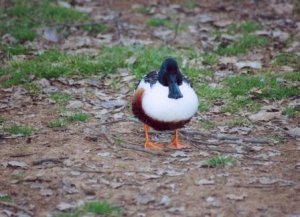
pixel 175 144
pixel 148 144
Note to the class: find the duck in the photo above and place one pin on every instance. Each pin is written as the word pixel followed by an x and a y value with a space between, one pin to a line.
pixel 164 100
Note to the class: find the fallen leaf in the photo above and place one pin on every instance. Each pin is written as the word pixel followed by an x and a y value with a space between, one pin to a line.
pixel 236 197
pixel 144 199
pixel 46 192
pixel 165 201
pixel 294 132
pixel 113 103
pixel 248 64
pixel 205 182
pixel 15 164
pixel 74 104
pixel 264 116
pixel 50 34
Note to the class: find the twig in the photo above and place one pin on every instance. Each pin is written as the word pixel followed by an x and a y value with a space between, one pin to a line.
pixel 259 186
pixel 141 150
pixel 53 160
pixel 176 32
pixel 21 155
pixel 226 137
pixel 16 207
pixel 112 171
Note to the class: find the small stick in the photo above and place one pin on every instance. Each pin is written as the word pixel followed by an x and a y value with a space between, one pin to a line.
pixel 53 160
pixel 141 150
pixel 109 172
pixel 16 207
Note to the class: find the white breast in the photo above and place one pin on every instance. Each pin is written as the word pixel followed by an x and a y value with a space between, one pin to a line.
pixel 159 106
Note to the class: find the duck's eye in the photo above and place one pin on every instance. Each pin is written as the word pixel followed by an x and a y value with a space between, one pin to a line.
pixel 171 68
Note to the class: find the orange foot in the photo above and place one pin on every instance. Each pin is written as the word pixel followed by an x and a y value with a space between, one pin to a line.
pixel 151 145
pixel 175 144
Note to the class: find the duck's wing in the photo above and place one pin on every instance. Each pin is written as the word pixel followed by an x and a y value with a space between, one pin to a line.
pixel 150 78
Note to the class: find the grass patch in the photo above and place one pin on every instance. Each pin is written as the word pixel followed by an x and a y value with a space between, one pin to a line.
pixel 22 18
pixel 234 104
pixel 60 97
pixel 288 59
pixel 102 208
pixel 5 198
pixel 78 117
pixel 57 123
pixel 13 49
pixel 243 45
pixel 206 124
pixel 189 4
pixel 2 120
pixel 292 76
pixel 18 176
pixel 96 28
pixel 291 112
pixel 210 59
pixel 143 10
pixel 240 122
pixel 32 89
pixel 157 22
pixel 19 130
pixel 268 85
pixel 218 160
pixel 243 27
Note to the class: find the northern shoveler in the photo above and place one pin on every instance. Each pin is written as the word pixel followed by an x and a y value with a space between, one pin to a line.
pixel 164 100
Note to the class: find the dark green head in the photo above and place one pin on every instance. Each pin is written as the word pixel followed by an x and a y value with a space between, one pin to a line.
pixel 170 76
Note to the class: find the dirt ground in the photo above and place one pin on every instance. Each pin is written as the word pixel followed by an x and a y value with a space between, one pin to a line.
pixel 104 158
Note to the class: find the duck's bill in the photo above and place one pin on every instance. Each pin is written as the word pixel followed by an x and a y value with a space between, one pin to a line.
pixel 174 91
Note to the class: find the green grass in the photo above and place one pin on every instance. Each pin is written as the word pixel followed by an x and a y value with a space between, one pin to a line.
pixel 2 120
pixel 240 122
pixel 206 124
pixel 60 97
pixel 210 59
pixel 219 160
pixel 247 40
pixel 57 123
pixel 189 4
pixel 78 117
pixel 22 18
pixel 69 117
pixel 53 64
pixel 243 27
pixel 143 10
pixel 13 49
pixel 19 130
pixel 291 111
pixel 156 22
pixel 164 22
pixel 32 89
pixel 5 198
pixel 288 59
pixel 18 176
pixel 101 208
pixel 270 88
pixel 96 28
pixel 243 45
pixel 292 76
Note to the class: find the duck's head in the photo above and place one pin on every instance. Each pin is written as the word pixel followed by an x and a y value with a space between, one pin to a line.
pixel 170 76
